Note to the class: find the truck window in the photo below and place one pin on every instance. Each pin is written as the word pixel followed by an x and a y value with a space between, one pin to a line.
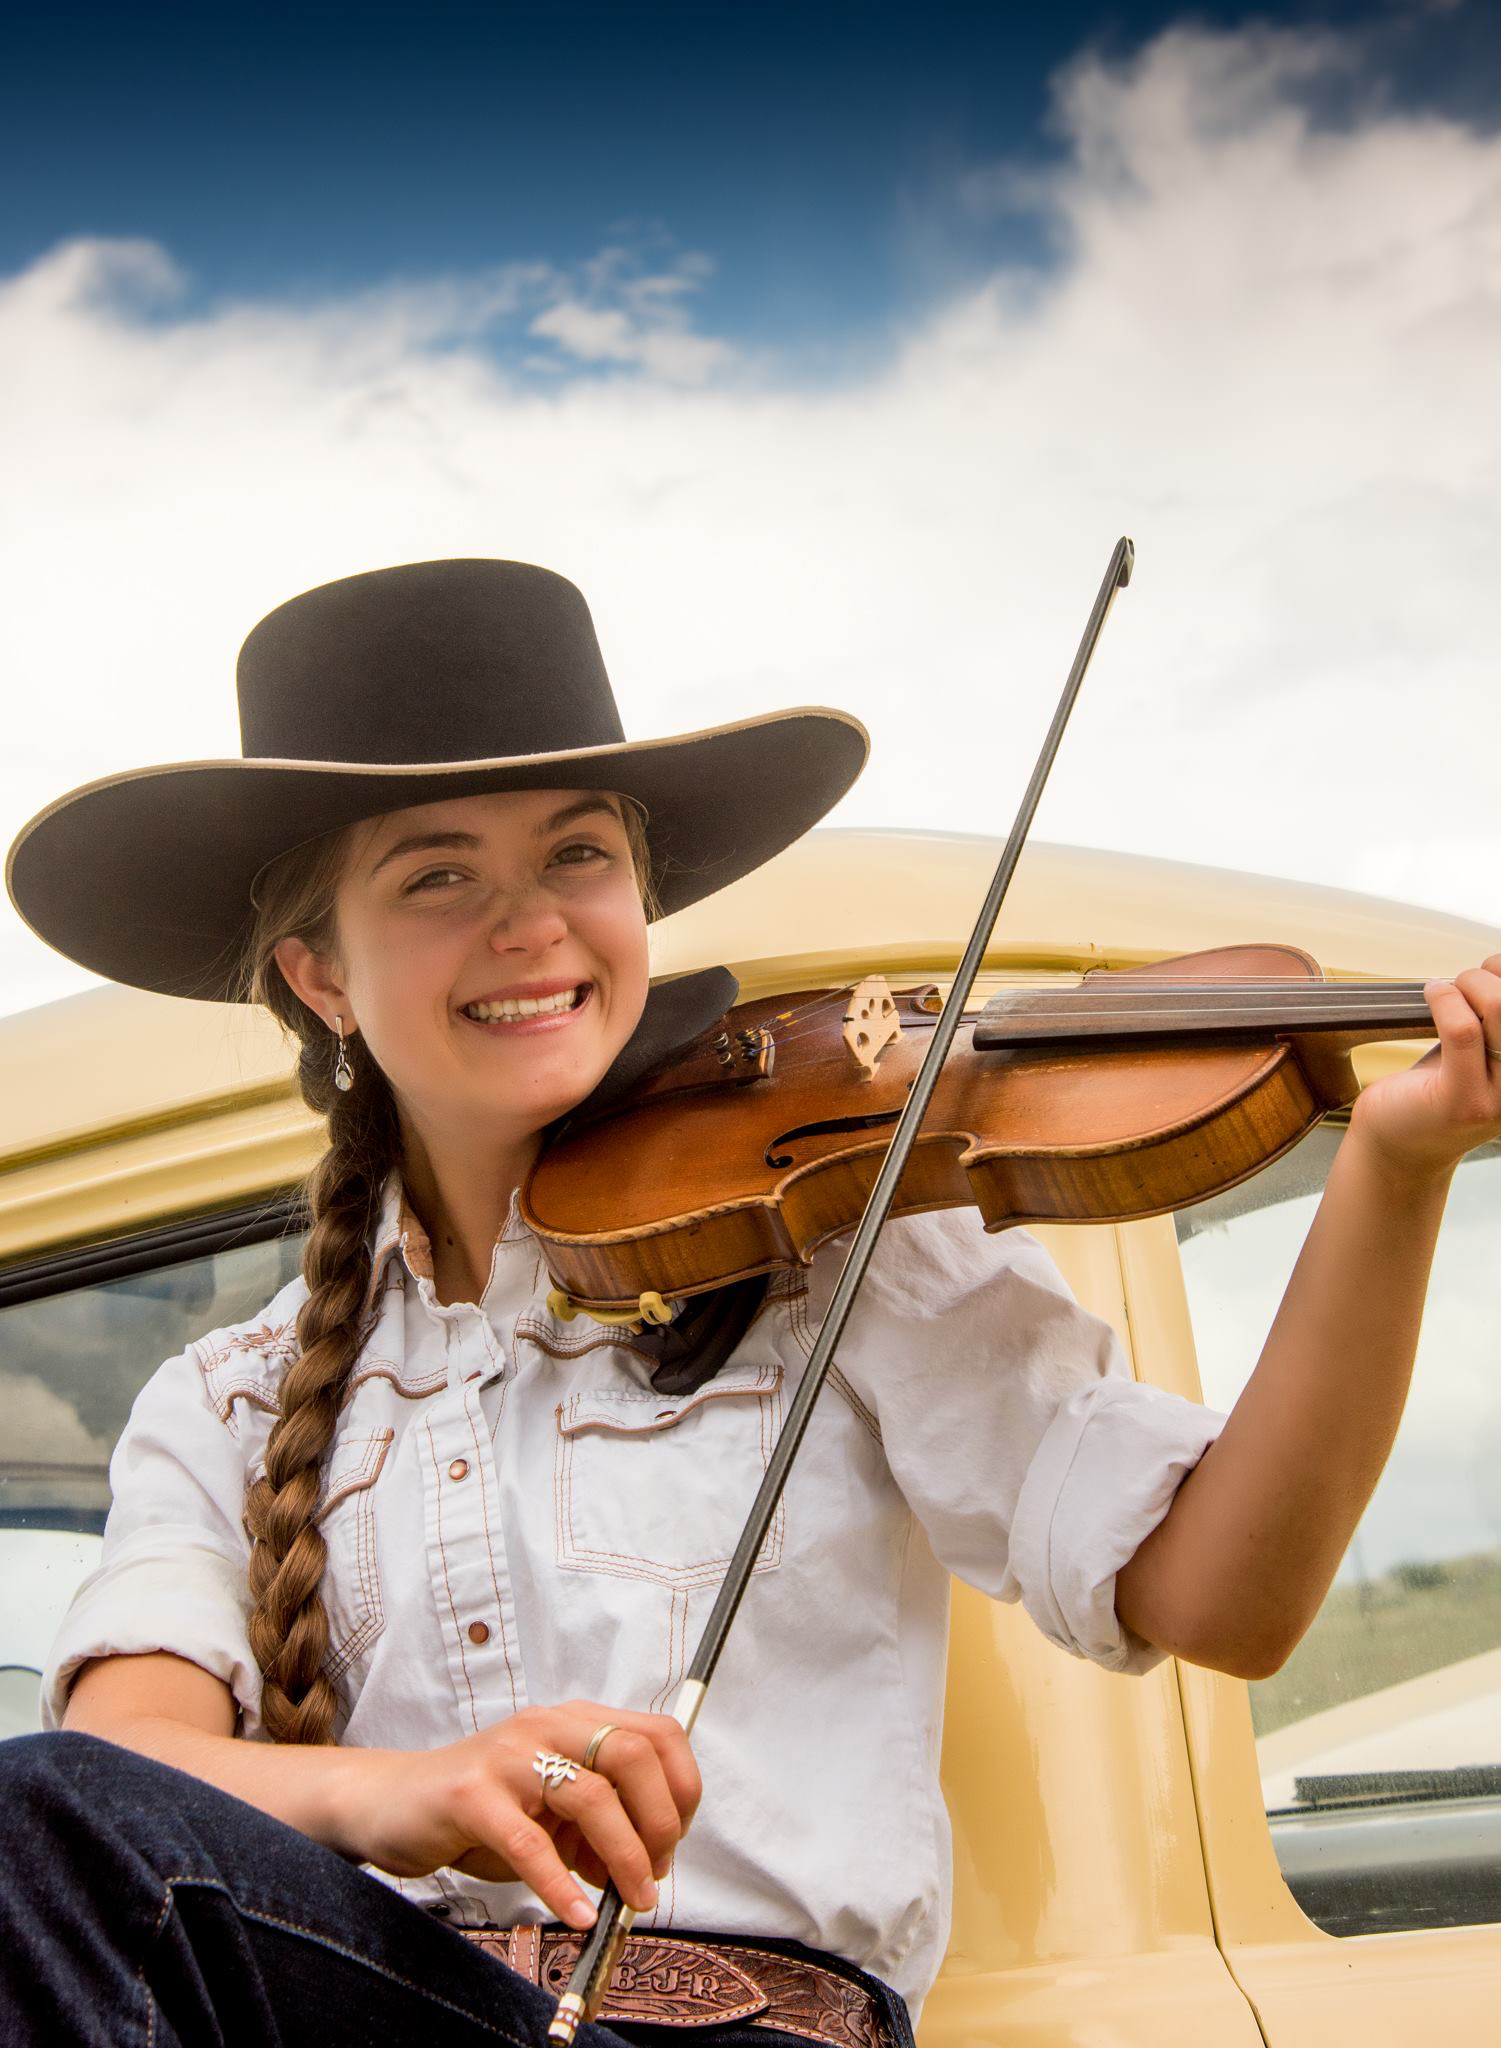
pixel 1379 1743
pixel 74 1352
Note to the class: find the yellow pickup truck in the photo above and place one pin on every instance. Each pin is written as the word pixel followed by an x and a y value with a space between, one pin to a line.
pixel 1309 1860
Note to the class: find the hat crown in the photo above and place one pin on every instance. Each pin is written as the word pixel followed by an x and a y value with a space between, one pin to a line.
pixel 465 660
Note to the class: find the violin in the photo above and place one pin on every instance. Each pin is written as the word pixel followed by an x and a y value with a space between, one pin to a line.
pixel 1132 1093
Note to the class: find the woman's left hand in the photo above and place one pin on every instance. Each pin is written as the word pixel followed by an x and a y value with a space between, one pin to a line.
pixel 1234 1572
pixel 1422 1122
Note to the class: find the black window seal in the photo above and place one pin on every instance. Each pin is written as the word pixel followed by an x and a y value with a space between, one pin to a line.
pixel 166 1244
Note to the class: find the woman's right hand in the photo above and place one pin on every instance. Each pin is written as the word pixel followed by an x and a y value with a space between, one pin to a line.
pixel 480 1806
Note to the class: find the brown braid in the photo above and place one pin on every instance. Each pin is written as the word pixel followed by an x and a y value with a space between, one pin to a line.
pixel 288 1626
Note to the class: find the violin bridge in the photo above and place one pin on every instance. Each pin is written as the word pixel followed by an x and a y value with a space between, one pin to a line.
pixel 871 1023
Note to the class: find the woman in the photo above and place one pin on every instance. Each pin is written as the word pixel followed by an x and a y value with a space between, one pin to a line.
pixel 441 1555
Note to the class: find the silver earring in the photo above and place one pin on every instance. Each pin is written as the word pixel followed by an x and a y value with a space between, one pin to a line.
pixel 343 1071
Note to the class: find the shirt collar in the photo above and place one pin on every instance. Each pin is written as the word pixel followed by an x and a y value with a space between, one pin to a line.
pixel 400 1237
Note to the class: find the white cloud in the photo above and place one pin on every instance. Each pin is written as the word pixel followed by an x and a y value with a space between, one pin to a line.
pixel 608 334
pixel 41 1423
pixel 627 313
pixel 1267 349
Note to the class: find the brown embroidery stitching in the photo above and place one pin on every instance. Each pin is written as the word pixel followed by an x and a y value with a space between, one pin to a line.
pixel 500 1605
pixel 340 1484
pixel 767 1380
pixel 277 1344
pixel 531 1331
pixel 574 1555
pixel 380 1280
pixel 249 1391
pixel 797 1316
pixel 663 1692
pixel 447 1584
pixel 374 1621
pixel 341 1477
pixel 387 1369
pixel 259 1351
pixel 838 1381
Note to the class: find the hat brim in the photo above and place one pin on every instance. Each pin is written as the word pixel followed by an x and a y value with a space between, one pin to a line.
pixel 146 877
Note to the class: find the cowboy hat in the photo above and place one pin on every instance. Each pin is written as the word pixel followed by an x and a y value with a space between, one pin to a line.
pixel 383 691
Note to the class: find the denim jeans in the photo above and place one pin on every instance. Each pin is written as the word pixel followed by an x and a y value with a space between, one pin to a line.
pixel 140 1906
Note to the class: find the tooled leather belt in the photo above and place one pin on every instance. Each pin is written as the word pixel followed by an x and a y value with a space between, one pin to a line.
pixel 675 1981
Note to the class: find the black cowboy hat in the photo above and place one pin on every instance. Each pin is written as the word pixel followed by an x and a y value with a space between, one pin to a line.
pixel 378 692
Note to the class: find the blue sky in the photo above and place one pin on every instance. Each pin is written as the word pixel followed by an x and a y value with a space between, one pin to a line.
pixel 811 161
pixel 829 352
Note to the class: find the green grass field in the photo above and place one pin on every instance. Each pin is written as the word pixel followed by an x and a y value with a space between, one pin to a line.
pixel 1415 1618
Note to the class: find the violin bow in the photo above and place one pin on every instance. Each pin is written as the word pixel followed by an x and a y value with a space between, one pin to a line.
pixel 591 1975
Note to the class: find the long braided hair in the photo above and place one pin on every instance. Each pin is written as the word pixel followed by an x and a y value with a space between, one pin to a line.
pixel 288 1628
pixel 288 1623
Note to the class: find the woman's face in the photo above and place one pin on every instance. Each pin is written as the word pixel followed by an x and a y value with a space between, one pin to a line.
pixel 492 954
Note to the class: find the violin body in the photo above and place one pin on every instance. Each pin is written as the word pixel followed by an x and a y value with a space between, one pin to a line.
pixel 763 1139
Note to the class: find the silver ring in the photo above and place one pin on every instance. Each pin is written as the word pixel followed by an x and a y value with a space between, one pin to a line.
pixel 554 1770
pixel 595 1741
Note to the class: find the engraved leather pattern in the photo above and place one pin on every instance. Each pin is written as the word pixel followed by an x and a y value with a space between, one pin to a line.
pixel 804 1999
pixel 674 1983
pixel 670 1983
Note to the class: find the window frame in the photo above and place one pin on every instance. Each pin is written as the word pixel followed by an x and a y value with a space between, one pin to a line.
pixel 95 1262
pixel 99 1261
pixel 1307 1986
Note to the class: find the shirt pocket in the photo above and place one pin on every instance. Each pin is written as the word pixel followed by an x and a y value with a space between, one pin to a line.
pixel 345 1517
pixel 651 1487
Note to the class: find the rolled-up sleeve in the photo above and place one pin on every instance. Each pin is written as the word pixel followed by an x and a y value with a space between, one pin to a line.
pixel 1011 1422
pixel 172 1574
pixel 1100 1481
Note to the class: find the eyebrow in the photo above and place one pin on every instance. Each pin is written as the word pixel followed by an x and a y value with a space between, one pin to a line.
pixel 426 842
pixel 587 806
pixel 468 842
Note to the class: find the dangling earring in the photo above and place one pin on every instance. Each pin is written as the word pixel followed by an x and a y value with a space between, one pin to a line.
pixel 343 1071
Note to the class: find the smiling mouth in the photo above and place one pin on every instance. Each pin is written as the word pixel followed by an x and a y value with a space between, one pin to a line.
pixel 513 1009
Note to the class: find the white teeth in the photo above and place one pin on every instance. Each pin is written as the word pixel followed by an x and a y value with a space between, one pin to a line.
pixel 512 1007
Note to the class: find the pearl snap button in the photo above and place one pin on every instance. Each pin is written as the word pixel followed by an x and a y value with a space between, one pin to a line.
pixel 459 1468
pixel 478 1632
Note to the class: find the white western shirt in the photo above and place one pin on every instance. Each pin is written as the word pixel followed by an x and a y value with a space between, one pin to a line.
pixel 514 1516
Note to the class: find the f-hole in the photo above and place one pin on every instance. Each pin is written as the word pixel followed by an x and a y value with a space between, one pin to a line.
pixel 777 1159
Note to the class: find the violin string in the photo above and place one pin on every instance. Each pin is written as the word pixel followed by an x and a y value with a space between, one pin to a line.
pixel 1302 989
pixel 1099 999
pixel 1089 998
pixel 1309 998
pixel 1085 1016
pixel 1297 986
pixel 1083 998
pixel 807 1017
pixel 825 1000
pixel 1071 1022
pixel 828 998
pixel 1354 990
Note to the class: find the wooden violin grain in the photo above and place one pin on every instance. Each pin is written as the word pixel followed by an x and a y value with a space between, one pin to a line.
pixel 691 1182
